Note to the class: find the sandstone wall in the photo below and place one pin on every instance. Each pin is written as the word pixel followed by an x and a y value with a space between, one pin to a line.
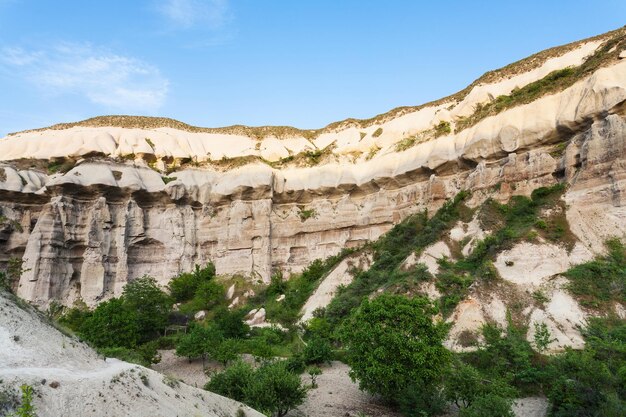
pixel 84 234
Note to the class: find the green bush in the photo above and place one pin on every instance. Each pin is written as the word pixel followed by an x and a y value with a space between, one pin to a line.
pixel 227 350
pixel 491 405
pixel 112 324
pixel 183 287
pixel 591 382
pixel 601 282
pixel 421 400
pixel 199 341
pixel 392 342
pixel 230 323
pixel 75 317
pixel 464 385
pixel 317 350
pixel 271 389
pixel 274 390
pixel 208 295
pixel 278 285
pixel 507 354
pixel 232 382
pixel 443 128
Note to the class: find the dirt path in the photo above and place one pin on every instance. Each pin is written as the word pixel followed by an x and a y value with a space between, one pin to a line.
pixel 190 373
pixel 337 395
pixel 111 367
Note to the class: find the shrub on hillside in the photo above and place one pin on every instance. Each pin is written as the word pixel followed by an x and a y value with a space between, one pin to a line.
pixel 421 400
pixel 199 341
pixel 183 287
pixel 491 405
pixel 230 323
pixel 591 382
pixel 208 295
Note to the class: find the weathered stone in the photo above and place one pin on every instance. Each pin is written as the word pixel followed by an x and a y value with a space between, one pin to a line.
pixel 200 315
pixel 86 233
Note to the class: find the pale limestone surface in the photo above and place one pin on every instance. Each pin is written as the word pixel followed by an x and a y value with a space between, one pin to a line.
pixel 340 275
pixel 432 254
pixel 530 264
pixel 32 351
pixel 86 233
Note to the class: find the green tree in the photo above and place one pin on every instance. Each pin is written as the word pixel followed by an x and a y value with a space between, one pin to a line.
pixel 274 389
pixel 226 351
pixel 271 389
pixel 112 324
pixel 230 323
pixel 151 305
pixel 232 382
pixel 208 295
pixel 317 350
pixel 184 286
pixel 199 341
pixel 463 384
pixel 392 341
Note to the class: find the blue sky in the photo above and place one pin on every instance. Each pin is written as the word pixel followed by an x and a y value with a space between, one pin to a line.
pixel 254 62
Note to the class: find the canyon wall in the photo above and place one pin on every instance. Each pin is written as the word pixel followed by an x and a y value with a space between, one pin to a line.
pixel 84 233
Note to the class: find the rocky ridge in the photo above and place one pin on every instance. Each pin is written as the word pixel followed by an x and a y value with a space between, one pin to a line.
pixel 69 378
pixel 107 204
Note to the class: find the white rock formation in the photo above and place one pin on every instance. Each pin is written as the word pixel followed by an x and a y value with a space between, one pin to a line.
pixel 531 264
pixel 85 233
pixel 340 275
pixel 432 254
pixel 256 317
pixel 71 380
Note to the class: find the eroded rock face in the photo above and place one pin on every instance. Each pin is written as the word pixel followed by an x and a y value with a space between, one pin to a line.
pixel 84 234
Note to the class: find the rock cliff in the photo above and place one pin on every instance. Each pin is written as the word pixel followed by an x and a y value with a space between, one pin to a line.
pixel 88 206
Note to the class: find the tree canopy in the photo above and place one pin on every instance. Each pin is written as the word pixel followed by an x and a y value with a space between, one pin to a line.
pixel 392 341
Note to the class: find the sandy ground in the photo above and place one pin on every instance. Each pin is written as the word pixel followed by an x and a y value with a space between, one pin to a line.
pixel 531 407
pixel 337 395
pixel 190 373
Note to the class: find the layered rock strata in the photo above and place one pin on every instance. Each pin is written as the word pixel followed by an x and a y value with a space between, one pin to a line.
pixel 110 218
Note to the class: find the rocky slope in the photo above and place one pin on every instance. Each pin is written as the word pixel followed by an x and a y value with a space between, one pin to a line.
pixel 70 379
pixel 91 205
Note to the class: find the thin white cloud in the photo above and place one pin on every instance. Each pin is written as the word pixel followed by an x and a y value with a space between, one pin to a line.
pixel 186 14
pixel 104 78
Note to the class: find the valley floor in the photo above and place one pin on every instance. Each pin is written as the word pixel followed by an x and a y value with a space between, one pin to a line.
pixel 336 394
